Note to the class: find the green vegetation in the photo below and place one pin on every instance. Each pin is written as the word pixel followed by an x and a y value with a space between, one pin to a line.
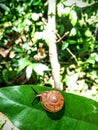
pixel 25 59
pixel 78 111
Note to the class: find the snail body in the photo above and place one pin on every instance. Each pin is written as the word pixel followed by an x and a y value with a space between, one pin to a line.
pixel 51 101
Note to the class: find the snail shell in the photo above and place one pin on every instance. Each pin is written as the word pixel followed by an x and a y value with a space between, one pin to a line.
pixel 52 101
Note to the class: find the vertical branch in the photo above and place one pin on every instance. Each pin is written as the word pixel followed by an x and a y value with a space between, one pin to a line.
pixel 52 44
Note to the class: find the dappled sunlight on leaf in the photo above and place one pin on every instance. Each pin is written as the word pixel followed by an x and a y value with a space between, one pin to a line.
pixel 93 58
pixel 40 68
pixel 29 71
pixel 73 17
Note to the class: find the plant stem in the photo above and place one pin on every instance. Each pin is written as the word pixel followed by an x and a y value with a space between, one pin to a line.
pixel 52 44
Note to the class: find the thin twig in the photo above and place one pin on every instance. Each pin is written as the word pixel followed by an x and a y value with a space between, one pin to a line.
pixel 61 39
pixel 72 54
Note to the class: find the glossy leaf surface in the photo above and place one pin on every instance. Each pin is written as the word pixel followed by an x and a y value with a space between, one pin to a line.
pixel 78 113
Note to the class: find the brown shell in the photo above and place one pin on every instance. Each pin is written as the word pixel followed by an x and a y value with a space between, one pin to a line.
pixel 52 101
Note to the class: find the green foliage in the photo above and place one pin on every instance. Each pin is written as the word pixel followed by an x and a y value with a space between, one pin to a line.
pixel 37 67
pixel 16 103
pixel 23 30
pixel 78 49
pixel 3 6
pixel 17 31
pixel 24 59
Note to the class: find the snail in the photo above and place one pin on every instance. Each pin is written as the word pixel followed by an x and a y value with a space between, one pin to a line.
pixel 52 100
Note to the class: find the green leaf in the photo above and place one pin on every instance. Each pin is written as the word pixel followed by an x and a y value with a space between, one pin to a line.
pixel 40 68
pixel 93 58
pixel 73 17
pixel 36 2
pixel 67 11
pixel 3 6
pixel 72 41
pixel 23 62
pixel 88 33
pixel 65 45
pixel 63 11
pixel 29 71
pixel 73 32
pixel 78 113
pixel 35 16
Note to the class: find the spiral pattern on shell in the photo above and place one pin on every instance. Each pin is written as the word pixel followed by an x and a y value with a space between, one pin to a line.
pixel 52 101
